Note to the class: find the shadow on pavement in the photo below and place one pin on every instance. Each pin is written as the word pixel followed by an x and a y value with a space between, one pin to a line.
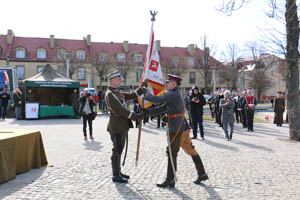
pixel 21 180
pixel 221 146
pixel 180 194
pixel 212 193
pixel 253 146
pixel 92 145
pixel 128 193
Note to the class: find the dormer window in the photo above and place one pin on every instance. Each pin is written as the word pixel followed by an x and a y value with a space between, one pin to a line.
pixel 20 52
pixel 80 54
pixel 121 57
pixel 190 61
pixel 138 58
pixel 61 54
pixel 41 53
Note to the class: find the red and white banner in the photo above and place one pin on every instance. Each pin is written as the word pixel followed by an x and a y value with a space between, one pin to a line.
pixel 152 70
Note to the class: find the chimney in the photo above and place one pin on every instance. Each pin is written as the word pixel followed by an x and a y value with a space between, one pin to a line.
pixel 10 36
pixel 191 49
pixel 52 41
pixel 125 46
pixel 88 40
pixel 158 45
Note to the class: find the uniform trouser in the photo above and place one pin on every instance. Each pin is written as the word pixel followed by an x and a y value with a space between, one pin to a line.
pixel 250 117
pixel 278 119
pixel 183 141
pixel 3 109
pixel 118 140
pixel 197 120
pixel 225 128
pixel 237 116
pixel 18 112
pixel 75 107
pixel 243 118
pixel 85 119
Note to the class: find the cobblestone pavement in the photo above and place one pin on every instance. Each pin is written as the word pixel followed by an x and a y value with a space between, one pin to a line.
pixel 254 165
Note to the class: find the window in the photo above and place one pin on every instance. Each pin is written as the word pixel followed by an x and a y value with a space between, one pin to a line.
pixel 192 77
pixel 80 55
pixel 102 57
pixel 20 72
pixel 139 74
pixel 39 68
pixel 20 52
pixel 81 73
pixel 41 53
pixel 61 70
pixel 190 61
pixel 61 54
pixel 138 58
pixel 121 57
pixel 175 60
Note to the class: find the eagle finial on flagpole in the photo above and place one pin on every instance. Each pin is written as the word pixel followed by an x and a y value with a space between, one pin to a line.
pixel 153 15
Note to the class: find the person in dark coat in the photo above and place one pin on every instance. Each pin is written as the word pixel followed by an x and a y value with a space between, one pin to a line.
pixel 100 100
pixel 17 103
pixel 74 102
pixel 227 118
pixel 250 103
pixel 86 105
pixel 279 107
pixel 136 109
pixel 179 129
pixel 4 97
pixel 197 101
pixel 30 96
pixel 242 109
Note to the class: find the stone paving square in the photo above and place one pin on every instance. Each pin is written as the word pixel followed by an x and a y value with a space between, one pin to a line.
pixel 255 165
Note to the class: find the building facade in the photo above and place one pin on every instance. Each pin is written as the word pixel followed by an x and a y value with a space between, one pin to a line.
pixel 89 61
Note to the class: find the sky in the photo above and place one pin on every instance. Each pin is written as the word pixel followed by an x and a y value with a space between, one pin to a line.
pixel 178 23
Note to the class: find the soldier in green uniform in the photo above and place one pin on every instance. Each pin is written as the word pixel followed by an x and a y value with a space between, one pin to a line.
pixel 179 129
pixel 119 122
pixel 279 107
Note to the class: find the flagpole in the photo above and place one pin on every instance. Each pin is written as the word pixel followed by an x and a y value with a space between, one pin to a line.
pixel 143 100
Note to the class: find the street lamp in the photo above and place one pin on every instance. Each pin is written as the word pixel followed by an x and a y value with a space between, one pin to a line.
pixel 67 58
pixel 7 61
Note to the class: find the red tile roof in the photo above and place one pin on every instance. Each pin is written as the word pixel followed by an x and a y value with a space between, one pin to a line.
pixel 31 44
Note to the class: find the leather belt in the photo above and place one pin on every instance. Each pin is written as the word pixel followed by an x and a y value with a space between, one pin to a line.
pixel 172 116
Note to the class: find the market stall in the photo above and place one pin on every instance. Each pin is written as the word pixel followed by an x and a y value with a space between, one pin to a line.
pixel 52 92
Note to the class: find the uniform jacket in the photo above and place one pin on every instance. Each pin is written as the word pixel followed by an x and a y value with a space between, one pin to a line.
pixel 197 108
pixel 172 103
pixel 279 105
pixel 119 115
pixel 249 100
pixel 227 111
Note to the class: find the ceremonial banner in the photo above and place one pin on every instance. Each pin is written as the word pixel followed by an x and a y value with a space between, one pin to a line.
pixel 4 80
pixel 152 71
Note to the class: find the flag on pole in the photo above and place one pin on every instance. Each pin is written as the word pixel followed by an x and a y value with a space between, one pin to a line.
pixel 4 80
pixel 152 73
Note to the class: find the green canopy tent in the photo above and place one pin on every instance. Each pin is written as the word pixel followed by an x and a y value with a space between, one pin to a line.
pixel 50 87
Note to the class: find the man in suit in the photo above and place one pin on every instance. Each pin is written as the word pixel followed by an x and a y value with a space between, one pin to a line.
pixel 119 122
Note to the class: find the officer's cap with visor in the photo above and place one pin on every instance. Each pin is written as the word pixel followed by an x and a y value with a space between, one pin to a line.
pixel 115 74
pixel 174 78
pixel 195 88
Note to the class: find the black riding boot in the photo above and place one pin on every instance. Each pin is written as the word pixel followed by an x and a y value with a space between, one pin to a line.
pixel 170 181
pixel 116 170
pixel 123 175
pixel 202 176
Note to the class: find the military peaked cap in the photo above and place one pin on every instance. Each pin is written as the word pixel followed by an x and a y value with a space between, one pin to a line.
pixel 114 74
pixel 174 77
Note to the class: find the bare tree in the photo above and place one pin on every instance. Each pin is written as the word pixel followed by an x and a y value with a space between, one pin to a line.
pixel 259 81
pixel 124 66
pixel 102 66
pixel 204 62
pixel 175 65
pixel 291 56
pixel 74 63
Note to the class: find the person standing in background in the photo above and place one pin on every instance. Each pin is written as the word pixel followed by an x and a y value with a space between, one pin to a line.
pixel 96 100
pixel 4 97
pixel 197 101
pixel 17 103
pixel 30 96
pixel 74 102
pixel 250 102
pixel 100 100
pixel 227 118
pixel 279 108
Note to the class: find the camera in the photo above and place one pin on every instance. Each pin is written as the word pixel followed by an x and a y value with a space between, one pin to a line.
pixel 196 98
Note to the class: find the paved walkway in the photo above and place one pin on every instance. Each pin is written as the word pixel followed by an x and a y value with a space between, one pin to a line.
pixel 254 165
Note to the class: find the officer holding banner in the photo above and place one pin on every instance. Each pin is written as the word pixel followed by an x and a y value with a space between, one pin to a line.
pixel 179 129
